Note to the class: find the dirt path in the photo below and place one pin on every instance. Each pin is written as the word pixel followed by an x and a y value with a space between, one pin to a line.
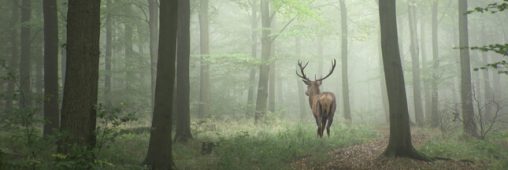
pixel 366 156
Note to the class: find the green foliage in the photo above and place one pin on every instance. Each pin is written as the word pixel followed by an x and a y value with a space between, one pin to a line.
pixel 492 8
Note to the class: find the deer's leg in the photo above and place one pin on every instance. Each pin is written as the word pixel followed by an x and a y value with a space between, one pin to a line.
pixel 330 121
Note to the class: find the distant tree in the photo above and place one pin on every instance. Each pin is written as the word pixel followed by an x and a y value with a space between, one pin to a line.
pixel 79 106
pixel 254 53
pixel 344 54
pixel 435 116
pixel 51 109
pixel 470 128
pixel 159 154
pixel 128 51
pixel 399 144
pixel 264 69
pixel 204 81
pixel 183 131
pixel 25 58
pixel 415 60
pixel 14 55
pixel 108 55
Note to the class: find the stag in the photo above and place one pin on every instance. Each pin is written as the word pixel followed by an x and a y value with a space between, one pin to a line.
pixel 322 104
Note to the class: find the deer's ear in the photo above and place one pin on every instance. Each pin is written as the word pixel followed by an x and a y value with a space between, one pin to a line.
pixel 306 82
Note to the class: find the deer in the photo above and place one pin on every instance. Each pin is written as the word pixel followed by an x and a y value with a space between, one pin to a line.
pixel 322 104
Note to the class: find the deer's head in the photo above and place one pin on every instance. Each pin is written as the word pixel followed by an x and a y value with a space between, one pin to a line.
pixel 312 86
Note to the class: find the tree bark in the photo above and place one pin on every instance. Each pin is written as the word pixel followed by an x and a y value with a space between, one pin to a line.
pixel 25 89
pixel 159 154
pixel 254 51
pixel 82 75
pixel 419 117
pixel 264 69
pixel 183 130
pixel 470 128
pixel 108 56
pixel 153 24
pixel 204 92
pixel 400 144
pixel 435 115
pixel 51 109
pixel 344 53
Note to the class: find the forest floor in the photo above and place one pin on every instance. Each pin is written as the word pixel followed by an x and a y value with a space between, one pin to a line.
pixel 367 156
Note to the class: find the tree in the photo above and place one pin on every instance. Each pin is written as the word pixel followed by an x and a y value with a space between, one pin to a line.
pixel 159 154
pixel 419 117
pixel 399 144
pixel 469 124
pixel 79 106
pixel 254 53
pixel 153 25
pixel 108 55
pixel 264 69
pixel 128 51
pixel 51 112
pixel 204 81
pixel 13 64
pixel 183 131
pixel 344 55
pixel 435 116
pixel 25 59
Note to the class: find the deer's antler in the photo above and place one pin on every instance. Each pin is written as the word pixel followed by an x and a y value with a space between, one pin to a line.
pixel 330 73
pixel 302 72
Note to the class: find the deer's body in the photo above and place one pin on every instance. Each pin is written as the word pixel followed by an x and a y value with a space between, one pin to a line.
pixel 323 105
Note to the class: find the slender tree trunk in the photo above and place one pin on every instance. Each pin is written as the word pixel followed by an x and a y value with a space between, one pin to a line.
pixel 400 144
pixel 81 81
pixel 427 101
pixel 25 59
pixel 51 112
pixel 108 56
pixel 128 52
pixel 344 53
pixel 301 90
pixel 419 117
pixel 159 154
pixel 264 69
pixel 435 115
pixel 204 93
pixel 153 25
pixel 254 51
pixel 466 90
pixel 271 84
pixel 487 90
pixel 183 131
pixel 13 64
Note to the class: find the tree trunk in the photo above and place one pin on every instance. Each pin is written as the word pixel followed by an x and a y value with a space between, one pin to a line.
pixel 159 154
pixel 427 101
pixel 128 52
pixel 435 115
pixel 51 112
pixel 81 81
pixel 107 57
pixel 153 24
pixel 400 144
pixel 254 51
pixel 301 90
pixel 487 90
pixel 466 90
pixel 419 117
pixel 183 131
pixel 271 85
pixel 264 69
pixel 13 64
pixel 25 92
pixel 344 54
pixel 204 93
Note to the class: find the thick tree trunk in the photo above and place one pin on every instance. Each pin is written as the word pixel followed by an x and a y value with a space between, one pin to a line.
pixel 159 154
pixel 108 56
pixel 400 144
pixel 153 24
pixel 419 117
pixel 264 69
pixel 204 92
pixel 51 109
pixel 344 54
pixel 183 131
pixel 25 90
pixel 82 75
pixel 254 51
pixel 466 90
pixel 435 115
